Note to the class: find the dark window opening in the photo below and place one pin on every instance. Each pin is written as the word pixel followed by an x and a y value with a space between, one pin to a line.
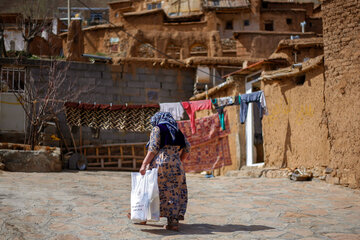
pixel 246 22
pixel 310 24
pixel 300 80
pixel 216 2
pixel 264 5
pixel 158 5
pixel 269 26
pixel 229 25
pixel 12 45
pixel 149 7
pixel 96 16
pixel 288 21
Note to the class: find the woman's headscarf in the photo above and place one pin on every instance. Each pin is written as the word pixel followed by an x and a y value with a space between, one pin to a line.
pixel 167 119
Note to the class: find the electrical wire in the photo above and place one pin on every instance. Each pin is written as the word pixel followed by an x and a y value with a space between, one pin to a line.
pixel 148 45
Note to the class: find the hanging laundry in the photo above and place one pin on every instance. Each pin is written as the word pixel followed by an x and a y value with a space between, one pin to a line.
pixel 209 145
pixel 176 110
pixel 255 97
pixel 220 104
pixel 192 107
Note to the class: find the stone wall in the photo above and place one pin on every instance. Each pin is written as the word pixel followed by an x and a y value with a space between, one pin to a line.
pixel 341 28
pixel 19 158
pixel 128 83
pixel 131 84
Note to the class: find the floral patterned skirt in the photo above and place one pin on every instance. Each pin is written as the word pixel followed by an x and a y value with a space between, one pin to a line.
pixel 171 181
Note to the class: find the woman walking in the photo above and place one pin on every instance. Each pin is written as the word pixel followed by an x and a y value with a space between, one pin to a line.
pixel 166 149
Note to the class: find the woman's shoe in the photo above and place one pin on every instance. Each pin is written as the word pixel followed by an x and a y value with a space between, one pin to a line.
pixel 172 227
pixel 181 218
pixel 172 224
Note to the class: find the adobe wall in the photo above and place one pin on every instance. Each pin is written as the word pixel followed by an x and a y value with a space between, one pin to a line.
pixel 41 47
pixel 151 21
pixel 98 41
pixel 261 44
pixel 238 23
pixel 302 53
pixel 279 20
pixel 308 7
pixel 314 25
pixel 342 89
pixel 295 131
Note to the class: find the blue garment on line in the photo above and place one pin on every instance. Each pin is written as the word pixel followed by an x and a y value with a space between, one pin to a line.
pixel 245 100
pixel 220 111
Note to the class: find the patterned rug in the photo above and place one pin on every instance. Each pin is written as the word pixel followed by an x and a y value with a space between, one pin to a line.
pixel 209 146
pixel 132 118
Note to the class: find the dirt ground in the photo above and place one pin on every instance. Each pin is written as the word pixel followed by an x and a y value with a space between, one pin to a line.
pixel 93 205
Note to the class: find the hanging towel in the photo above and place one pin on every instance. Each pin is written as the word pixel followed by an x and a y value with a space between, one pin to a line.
pixel 176 110
pixel 220 104
pixel 255 97
pixel 192 107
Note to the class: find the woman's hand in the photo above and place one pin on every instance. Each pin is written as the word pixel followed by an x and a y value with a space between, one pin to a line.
pixel 142 170
pixel 149 157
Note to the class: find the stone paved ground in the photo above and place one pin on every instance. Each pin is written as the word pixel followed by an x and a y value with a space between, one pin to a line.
pixel 92 205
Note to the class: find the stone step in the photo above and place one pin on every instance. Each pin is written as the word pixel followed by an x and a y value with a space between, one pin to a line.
pixel 256 172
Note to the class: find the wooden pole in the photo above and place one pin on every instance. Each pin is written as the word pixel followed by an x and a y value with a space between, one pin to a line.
pixel 68 13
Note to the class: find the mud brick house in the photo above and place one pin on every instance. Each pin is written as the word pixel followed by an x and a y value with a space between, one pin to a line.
pixel 310 87
pixel 188 35
pixel 342 88
pixel 202 39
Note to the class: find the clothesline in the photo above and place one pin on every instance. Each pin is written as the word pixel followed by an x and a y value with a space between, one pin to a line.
pixel 84 115
pixel 177 108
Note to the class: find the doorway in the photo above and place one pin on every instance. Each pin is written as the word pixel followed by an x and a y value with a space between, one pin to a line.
pixel 253 125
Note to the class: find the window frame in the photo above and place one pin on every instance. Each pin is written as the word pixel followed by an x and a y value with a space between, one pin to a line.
pixel 10 72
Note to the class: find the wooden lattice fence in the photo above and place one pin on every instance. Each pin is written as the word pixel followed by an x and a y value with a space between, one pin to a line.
pixel 122 156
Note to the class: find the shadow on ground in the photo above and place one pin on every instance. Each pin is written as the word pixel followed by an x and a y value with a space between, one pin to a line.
pixel 207 229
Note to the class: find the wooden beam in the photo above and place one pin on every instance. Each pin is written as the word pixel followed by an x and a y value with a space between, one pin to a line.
pixel 121 157
pixel 133 154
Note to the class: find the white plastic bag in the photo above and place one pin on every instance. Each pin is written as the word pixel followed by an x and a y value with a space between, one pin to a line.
pixel 153 193
pixel 145 202
pixel 139 198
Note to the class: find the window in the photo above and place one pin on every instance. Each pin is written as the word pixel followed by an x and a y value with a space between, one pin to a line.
pixel 96 17
pixel 150 6
pixel 288 21
pixel 269 26
pixel 300 80
pixel 246 22
pixel 12 80
pixel 229 25
pixel 12 45
pixel 216 2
